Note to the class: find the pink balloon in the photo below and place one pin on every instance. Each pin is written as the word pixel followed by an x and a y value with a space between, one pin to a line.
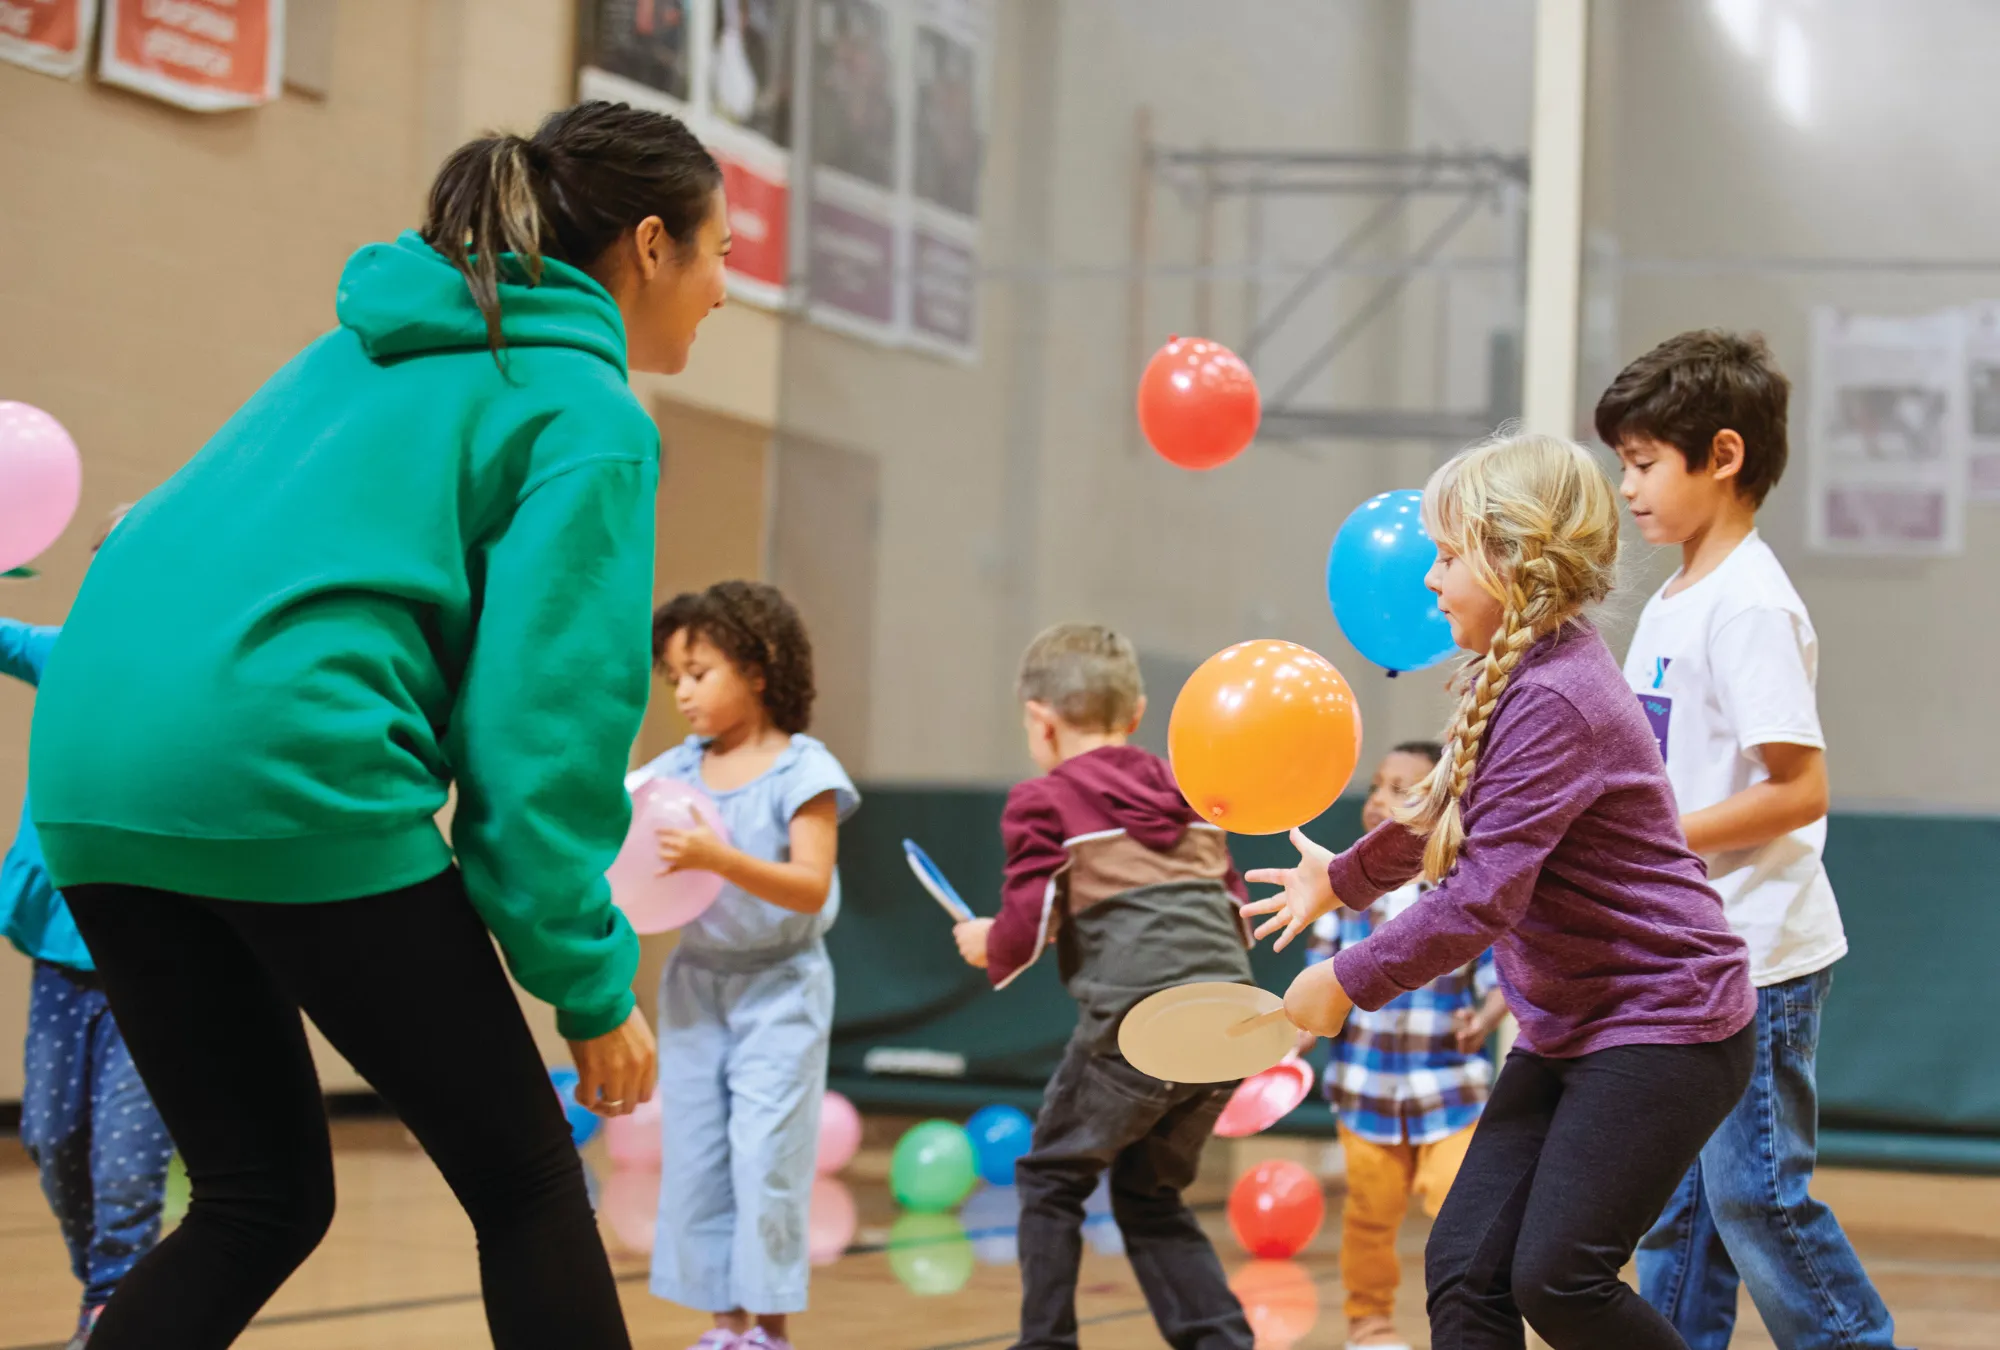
pixel 830 1221
pixel 634 1141
pixel 630 1207
pixel 40 481
pixel 652 902
pixel 839 1133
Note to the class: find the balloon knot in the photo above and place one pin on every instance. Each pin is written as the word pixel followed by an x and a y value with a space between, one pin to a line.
pixel 1392 674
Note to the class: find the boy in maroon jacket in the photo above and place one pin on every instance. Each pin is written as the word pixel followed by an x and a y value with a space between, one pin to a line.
pixel 1107 864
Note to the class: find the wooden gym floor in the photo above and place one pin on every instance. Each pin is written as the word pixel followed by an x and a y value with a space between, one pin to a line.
pixel 398 1268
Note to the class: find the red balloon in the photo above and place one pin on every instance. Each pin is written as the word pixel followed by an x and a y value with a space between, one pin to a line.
pixel 1275 1209
pixel 1280 1301
pixel 1198 403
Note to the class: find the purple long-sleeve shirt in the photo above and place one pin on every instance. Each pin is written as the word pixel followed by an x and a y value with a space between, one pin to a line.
pixel 1575 871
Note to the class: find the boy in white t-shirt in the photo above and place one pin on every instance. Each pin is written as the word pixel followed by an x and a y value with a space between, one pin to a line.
pixel 1724 662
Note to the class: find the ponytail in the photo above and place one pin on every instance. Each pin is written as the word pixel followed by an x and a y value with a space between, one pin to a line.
pixel 591 173
pixel 484 204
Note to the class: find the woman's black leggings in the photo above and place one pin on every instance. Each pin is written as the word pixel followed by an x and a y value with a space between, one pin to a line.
pixel 405 985
pixel 1572 1162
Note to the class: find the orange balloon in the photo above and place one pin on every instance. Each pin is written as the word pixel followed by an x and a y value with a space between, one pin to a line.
pixel 1280 1300
pixel 1264 737
pixel 1198 403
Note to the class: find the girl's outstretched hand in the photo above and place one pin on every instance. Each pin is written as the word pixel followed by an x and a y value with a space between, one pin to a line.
pixel 1307 893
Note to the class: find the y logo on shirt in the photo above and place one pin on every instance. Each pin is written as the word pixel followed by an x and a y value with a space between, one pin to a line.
pixel 1659 707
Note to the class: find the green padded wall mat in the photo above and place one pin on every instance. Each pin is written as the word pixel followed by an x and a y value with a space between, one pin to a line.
pixel 905 995
pixel 1904 1071
pixel 1902 1042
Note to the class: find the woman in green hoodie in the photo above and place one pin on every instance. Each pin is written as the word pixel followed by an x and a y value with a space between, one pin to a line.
pixel 421 555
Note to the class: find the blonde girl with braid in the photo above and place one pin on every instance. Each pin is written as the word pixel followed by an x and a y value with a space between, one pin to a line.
pixel 1550 833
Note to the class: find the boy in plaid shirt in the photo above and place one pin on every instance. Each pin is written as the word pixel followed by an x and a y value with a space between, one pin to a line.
pixel 1408 1083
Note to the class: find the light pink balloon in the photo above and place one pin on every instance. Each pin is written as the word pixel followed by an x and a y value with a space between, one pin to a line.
pixel 652 902
pixel 41 478
pixel 634 1140
pixel 830 1221
pixel 629 1204
pixel 839 1133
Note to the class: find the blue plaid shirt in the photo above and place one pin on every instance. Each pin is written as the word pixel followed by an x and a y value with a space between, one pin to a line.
pixel 1396 1075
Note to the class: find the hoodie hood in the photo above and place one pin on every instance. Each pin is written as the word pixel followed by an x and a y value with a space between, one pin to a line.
pixel 1136 789
pixel 403 299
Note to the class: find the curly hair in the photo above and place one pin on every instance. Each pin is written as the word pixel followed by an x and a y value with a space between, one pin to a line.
pixel 759 632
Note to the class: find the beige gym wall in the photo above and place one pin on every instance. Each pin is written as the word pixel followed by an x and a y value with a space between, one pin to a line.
pixel 161 264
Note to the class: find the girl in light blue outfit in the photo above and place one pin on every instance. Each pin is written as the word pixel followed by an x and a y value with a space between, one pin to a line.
pixel 746 1000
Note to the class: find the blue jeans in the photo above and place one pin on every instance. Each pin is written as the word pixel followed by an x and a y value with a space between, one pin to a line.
pixel 91 1129
pixel 1743 1212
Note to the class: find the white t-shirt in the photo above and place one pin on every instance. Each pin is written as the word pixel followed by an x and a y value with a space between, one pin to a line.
pixel 1721 668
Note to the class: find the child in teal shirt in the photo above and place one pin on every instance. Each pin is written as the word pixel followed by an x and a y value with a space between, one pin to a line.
pixel 86 1119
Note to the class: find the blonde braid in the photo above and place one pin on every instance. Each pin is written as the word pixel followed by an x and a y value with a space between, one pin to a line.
pixel 1525 621
pixel 1536 520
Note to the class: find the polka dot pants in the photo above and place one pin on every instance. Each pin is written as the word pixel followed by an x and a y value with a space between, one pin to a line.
pixel 90 1127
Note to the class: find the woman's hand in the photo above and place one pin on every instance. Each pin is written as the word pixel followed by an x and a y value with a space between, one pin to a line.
pixel 1316 1002
pixel 616 1071
pixel 1307 893
pixel 695 850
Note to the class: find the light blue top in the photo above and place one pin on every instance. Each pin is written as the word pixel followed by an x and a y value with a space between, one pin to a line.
pixel 739 929
pixel 32 915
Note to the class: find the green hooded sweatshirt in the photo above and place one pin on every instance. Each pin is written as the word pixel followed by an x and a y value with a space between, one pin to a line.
pixel 401 565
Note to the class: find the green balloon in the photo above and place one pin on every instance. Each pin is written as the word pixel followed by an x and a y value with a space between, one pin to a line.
pixel 933 1169
pixel 175 1205
pixel 930 1253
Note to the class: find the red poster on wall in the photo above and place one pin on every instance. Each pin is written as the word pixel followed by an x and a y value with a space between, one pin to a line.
pixel 208 55
pixel 52 36
pixel 758 204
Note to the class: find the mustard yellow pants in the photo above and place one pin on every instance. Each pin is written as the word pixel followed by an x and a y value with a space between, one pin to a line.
pixel 1381 1178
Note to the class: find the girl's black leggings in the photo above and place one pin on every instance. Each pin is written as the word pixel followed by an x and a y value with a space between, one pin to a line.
pixel 1572 1162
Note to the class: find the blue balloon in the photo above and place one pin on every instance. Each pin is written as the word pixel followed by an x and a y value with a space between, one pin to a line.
pixel 583 1122
pixel 1375 579
pixel 992 1219
pixel 1000 1135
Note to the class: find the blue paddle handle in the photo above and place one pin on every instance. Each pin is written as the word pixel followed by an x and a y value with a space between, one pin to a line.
pixel 934 881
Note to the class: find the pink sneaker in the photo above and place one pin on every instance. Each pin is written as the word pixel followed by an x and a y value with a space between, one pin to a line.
pixel 756 1338
pixel 718 1338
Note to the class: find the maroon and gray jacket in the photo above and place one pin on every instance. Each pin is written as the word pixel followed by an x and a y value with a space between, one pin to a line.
pixel 1108 863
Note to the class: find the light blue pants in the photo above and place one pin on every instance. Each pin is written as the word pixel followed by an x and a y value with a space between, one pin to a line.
pixel 742 1072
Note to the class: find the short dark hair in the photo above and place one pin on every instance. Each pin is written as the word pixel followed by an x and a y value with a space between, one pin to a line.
pixel 756 628
pixel 1691 387
pixel 1430 750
